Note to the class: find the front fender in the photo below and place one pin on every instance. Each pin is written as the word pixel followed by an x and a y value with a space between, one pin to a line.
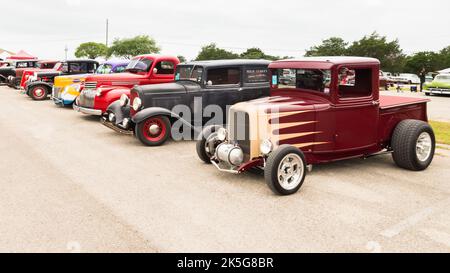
pixel 109 96
pixel 157 111
pixel 119 112
pixel 33 84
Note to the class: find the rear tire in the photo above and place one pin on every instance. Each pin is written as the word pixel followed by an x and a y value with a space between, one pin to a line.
pixel 413 143
pixel 207 141
pixel 285 170
pixel 153 131
pixel 38 92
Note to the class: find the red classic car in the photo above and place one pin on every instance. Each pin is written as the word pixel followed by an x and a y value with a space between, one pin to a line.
pixel 100 91
pixel 319 116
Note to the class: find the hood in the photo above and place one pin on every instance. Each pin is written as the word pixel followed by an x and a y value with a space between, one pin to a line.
pixel 69 79
pixel 280 119
pixel 165 88
pixel 279 104
pixel 126 77
pixel 438 84
pixel 47 73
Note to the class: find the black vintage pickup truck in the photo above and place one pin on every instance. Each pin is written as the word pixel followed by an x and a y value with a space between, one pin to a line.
pixel 201 94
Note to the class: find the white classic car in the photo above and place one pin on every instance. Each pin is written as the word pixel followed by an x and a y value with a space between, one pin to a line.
pixel 406 78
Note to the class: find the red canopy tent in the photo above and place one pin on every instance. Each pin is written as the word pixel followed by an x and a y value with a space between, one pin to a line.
pixel 21 55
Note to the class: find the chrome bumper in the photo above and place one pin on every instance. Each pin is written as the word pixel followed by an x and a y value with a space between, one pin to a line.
pixel 110 125
pixel 224 169
pixel 441 92
pixel 87 111
pixel 57 101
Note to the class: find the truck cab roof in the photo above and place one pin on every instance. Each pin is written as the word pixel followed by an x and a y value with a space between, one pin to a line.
pixel 231 62
pixel 323 62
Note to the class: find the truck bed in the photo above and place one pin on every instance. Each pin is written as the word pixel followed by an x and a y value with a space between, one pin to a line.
pixel 394 101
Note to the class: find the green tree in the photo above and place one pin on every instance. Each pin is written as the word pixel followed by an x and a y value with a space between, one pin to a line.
pixel 429 60
pixel 333 46
pixel 91 50
pixel 129 47
pixel 389 53
pixel 256 53
pixel 444 56
pixel 212 52
pixel 181 58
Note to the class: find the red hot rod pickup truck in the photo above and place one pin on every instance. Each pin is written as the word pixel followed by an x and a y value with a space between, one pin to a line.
pixel 330 110
pixel 101 90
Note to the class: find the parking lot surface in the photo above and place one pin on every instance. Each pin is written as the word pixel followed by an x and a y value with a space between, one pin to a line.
pixel 67 183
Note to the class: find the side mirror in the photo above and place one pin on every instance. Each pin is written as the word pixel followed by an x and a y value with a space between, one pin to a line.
pixel 209 83
pixel 155 70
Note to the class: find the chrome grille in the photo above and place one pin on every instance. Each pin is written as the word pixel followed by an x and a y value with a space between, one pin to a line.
pixel 240 130
pixel 86 99
pixel 90 85
pixel 56 92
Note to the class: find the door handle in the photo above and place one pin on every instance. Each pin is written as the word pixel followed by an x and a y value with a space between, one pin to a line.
pixel 240 89
pixel 375 102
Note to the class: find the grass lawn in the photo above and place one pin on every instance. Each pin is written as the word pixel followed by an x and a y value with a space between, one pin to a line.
pixel 442 131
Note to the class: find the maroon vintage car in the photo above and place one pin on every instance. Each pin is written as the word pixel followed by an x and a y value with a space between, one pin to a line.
pixel 100 91
pixel 330 110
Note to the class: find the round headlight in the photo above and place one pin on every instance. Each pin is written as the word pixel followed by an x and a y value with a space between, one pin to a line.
pixel 222 134
pixel 123 100
pixel 137 104
pixel 265 147
pixel 111 117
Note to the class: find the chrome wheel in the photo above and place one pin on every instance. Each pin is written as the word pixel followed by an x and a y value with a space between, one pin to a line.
pixel 423 146
pixel 154 129
pixel 290 171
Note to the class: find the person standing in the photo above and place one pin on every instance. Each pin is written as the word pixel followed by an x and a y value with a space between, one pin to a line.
pixel 422 77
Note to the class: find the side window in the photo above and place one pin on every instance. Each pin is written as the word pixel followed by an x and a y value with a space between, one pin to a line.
pixel 165 68
pixel 286 78
pixel 355 82
pixel 65 68
pixel 223 76
pixel 91 67
pixel 256 75
pixel 119 69
pixel 74 67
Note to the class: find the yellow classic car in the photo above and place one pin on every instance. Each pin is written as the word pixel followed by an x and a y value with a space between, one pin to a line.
pixel 67 88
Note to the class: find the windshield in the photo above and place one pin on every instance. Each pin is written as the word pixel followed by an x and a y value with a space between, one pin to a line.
pixel 189 73
pixel 139 65
pixel 309 79
pixel 444 78
pixel 104 69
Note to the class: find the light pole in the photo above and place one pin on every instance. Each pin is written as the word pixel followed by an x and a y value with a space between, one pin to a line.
pixel 65 50
pixel 107 30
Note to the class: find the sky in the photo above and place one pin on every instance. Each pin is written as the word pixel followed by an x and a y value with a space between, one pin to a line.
pixel 181 27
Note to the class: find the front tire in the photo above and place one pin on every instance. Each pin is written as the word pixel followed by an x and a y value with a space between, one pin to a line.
pixel 207 143
pixel 153 131
pixel 38 92
pixel 285 170
pixel 413 143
